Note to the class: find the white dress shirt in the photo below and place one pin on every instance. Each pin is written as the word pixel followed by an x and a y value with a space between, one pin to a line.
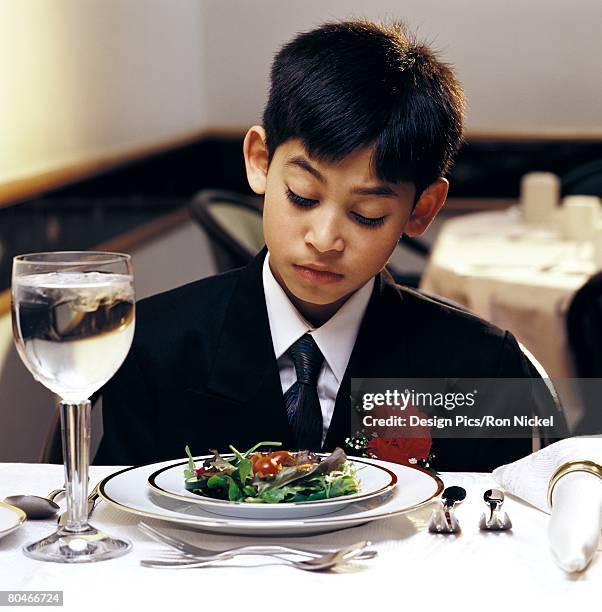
pixel 335 338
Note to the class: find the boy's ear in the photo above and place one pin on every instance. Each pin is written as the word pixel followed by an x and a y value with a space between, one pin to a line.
pixel 256 158
pixel 427 207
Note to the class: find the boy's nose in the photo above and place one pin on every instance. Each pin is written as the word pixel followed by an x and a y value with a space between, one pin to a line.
pixel 325 235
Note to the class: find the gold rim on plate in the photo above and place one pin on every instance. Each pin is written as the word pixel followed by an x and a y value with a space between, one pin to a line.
pixel 21 518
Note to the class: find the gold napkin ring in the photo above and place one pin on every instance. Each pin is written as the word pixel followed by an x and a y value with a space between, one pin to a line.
pixel 572 466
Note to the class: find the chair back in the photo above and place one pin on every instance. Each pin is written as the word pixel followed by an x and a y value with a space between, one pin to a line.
pixel 584 332
pixel 584 328
pixel 408 250
pixel 233 223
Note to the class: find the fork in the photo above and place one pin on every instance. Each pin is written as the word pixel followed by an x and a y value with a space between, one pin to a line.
pixel 320 563
pixel 205 554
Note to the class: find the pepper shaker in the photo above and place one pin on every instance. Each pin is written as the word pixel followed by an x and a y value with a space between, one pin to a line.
pixel 443 519
pixel 494 519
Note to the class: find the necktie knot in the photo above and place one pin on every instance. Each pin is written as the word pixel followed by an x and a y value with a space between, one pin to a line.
pixel 307 358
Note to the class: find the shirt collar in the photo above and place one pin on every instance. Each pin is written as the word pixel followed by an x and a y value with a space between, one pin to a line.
pixel 335 338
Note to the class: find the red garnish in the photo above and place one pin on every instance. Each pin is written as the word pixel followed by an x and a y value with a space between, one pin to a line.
pixel 405 451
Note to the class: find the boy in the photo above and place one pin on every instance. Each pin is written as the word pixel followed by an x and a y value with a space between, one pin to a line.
pixel 359 130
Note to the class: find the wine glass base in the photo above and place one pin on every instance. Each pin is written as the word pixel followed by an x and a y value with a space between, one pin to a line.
pixel 64 546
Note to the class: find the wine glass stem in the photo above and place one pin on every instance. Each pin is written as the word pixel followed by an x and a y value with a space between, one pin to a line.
pixel 75 428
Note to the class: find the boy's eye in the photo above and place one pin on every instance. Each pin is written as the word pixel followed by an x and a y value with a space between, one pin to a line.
pixel 298 200
pixel 369 221
pixel 307 203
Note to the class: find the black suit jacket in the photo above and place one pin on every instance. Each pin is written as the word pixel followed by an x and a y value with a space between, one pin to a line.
pixel 202 370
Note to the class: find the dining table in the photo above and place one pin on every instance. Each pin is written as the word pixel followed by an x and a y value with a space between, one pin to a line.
pixel 413 567
pixel 518 276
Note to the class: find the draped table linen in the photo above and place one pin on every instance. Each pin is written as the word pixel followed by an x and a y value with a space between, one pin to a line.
pixel 412 566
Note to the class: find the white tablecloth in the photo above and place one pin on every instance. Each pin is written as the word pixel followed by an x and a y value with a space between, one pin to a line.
pixel 413 567
pixel 516 276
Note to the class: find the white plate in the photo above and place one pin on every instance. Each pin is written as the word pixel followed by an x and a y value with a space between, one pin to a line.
pixel 11 518
pixel 374 480
pixel 128 490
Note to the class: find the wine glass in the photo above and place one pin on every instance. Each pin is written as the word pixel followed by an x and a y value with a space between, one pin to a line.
pixel 73 318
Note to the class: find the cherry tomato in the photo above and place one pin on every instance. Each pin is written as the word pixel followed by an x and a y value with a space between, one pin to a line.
pixel 265 466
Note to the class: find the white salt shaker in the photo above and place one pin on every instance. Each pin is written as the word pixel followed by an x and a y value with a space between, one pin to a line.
pixel 539 197
pixel 580 217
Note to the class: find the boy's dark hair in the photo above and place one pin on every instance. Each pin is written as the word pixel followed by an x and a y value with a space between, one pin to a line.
pixel 352 84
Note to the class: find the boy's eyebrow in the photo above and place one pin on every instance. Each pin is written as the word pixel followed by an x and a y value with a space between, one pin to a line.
pixel 300 162
pixel 378 190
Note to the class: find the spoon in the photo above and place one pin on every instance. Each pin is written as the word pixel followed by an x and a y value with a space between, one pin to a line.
pixel 36 507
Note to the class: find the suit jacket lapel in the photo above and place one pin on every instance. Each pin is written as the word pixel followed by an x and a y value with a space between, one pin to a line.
pixel 245 369
pixel 372 356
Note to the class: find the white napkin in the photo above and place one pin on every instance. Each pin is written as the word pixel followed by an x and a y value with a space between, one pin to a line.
pixel 576 519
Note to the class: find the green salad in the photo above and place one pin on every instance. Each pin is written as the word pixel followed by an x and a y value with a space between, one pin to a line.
pixel 272 477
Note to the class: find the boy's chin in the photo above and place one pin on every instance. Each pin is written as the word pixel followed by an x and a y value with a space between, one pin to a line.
pixel 320 297
pixel 317 307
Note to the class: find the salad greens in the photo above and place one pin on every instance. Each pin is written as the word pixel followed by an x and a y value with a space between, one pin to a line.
pixel 273 477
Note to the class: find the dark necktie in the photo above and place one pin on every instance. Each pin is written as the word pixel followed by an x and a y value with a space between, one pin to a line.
pixel 301 399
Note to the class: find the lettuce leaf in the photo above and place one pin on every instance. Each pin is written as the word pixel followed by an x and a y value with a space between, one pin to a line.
pixel 191 471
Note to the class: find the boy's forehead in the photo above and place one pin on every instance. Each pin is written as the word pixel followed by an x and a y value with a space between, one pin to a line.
pixel 360 162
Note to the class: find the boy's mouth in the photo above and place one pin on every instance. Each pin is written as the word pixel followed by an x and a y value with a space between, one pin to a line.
pixel 317 274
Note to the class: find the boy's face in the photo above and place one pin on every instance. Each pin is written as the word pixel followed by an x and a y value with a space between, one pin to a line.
pixel 329 227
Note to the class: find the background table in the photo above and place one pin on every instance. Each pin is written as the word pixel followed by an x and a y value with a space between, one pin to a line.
pixel 413 568
pixel 516 276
